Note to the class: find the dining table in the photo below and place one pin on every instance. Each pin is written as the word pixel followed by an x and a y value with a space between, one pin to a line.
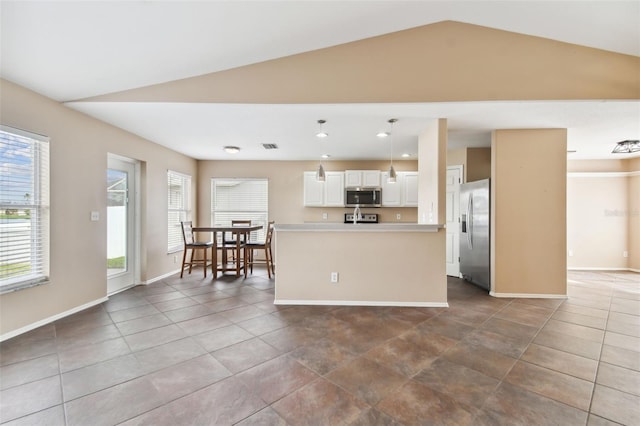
pixel 241 233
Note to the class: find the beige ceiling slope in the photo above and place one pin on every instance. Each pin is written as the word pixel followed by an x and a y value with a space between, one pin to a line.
pixel 446 61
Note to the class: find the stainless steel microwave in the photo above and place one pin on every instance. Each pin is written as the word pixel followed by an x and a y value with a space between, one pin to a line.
pixel 363 197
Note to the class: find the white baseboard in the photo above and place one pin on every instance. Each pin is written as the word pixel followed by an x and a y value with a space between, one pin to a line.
pixel 51 319
pixel 634 270
pixel 361 303
pixel 528 295
pixel 600 269
pixel 161 277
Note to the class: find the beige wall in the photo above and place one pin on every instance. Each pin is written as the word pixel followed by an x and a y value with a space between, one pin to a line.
pixel 286 188
pixel 595 166
pixel 79 147
pixel 529 211
pixel 392 268
pixel 597 221
pixel 634 219
pixel 478 164
pixel 445 61
pixel 603 213
pixel 475 162
pixel 432 157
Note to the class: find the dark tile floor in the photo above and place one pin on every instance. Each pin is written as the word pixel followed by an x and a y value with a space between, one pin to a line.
pixel 194 351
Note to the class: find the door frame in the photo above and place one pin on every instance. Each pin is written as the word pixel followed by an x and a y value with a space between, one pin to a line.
pixel 456 243
pixel 134 195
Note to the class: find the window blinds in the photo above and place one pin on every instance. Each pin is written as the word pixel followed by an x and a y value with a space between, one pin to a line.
pixel 179 208
pixel 240 199
pixel 24 209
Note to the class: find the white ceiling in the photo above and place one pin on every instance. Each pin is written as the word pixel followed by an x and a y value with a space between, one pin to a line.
pixel 73 50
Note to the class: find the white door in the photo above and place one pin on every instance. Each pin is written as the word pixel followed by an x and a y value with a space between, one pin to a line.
pixel 121 224
pixel 454 179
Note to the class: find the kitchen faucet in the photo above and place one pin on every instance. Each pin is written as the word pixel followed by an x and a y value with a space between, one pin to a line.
pixel 357 215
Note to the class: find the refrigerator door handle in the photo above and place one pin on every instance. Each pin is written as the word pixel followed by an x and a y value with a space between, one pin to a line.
pixel 469 229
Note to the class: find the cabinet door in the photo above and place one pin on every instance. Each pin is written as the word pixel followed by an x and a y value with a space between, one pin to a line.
pixel 334 189
pixel 410 195
pixel 391 192
pixel 313 190
pixel 352 178
pixel 371 178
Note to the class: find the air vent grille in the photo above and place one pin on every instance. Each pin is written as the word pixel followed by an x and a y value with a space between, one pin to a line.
pixel 269 146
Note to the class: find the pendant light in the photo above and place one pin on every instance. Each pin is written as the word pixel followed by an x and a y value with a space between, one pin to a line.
pixel 627 147
pixel 321 133
pixel 320 175
pixel 392 172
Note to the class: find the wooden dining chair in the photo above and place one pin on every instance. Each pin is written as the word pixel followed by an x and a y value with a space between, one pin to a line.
pixel 191 244
pixel 268 253
pixel 230 243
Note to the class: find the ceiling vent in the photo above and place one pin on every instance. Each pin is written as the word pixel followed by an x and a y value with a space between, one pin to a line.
pixel 269 146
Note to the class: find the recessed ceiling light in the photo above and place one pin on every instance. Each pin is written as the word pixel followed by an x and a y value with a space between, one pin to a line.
pixel 325 156
pixel 383 134
pixel 231 149
pixel 405 155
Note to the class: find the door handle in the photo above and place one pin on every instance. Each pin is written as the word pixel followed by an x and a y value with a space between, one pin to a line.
pixel 469 221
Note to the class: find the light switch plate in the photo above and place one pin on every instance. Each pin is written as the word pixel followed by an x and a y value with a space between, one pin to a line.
pixel 95 216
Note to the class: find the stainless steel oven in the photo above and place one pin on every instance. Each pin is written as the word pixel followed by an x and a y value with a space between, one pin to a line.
pixel 363 197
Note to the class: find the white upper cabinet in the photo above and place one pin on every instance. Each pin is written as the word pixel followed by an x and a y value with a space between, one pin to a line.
pixel 410 189
pixel 362 178
pixel 313 190
pixel 334 189
pixel 391 192
pixel 329 193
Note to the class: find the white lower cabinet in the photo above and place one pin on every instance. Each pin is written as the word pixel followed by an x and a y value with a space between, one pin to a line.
pixel 329 193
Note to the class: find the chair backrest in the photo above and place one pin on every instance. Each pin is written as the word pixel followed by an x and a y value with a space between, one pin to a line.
pixel 269 232
pixel 187 232
pixel 240 222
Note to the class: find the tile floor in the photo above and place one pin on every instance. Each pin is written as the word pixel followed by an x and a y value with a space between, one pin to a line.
pixel 194 351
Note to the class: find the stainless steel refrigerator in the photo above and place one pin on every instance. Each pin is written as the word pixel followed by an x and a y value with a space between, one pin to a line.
pixel 474 234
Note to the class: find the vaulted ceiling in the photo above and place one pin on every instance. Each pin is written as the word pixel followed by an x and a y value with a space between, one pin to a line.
pixel 138 62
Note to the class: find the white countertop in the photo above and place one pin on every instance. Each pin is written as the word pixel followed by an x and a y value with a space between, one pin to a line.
pixel 359 227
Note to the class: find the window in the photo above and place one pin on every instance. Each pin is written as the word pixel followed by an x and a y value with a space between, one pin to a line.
pixel 179 202
pixel 240 199
pixel 24 209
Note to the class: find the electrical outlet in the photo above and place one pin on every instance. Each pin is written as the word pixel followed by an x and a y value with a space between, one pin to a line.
pixel 625 254
pixel 325 216
pixel 95 216
pixel 175 259
pixel 398 216
pixel 570 253
pixel 334 277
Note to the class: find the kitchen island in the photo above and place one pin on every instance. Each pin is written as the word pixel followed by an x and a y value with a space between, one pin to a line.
pixel 383 264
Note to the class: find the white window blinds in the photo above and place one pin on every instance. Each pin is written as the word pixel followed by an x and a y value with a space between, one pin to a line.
pixel 24 209
pixel 240 199
pixel 179 208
